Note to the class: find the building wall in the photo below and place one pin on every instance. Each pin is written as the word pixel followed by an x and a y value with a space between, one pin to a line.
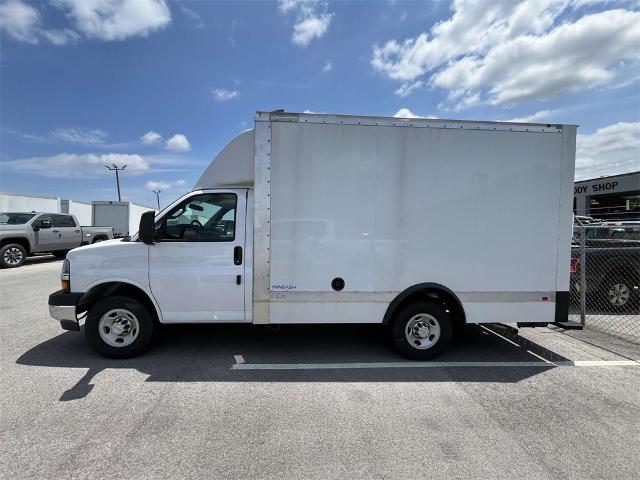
pixel 611 187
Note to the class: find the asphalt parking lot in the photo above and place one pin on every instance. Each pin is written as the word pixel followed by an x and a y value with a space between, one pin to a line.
pixel 309 402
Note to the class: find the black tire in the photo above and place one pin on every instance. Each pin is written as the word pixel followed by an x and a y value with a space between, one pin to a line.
pixel 618 295
pixel 138 310
pixel 402 321
pixel 99 239
pixel 12 255
pixel 60 253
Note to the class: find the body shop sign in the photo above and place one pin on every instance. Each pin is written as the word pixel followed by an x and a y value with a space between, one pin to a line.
pixel 595 188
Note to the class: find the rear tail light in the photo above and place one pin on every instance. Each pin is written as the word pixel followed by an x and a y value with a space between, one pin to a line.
pixel 65 276
pixel 575 264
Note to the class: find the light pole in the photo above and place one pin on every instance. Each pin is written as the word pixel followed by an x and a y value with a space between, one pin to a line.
pixel 157 192
pixel 117 169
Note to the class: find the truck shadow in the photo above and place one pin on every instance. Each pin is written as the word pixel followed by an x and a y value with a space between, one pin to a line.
pixel 207 353
pixel 38 259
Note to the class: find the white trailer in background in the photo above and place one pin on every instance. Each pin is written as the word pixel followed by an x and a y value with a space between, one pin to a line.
pixel 424 225
pixel 14 202
pixel 124 217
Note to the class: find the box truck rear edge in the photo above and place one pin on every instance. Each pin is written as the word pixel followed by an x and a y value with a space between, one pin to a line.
pixel 424 225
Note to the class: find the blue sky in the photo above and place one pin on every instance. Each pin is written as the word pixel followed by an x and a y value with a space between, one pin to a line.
pixel 163 86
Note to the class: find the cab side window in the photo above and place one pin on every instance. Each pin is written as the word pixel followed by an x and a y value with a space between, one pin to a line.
pixel 44 221
pixel 64 221
pixel 209 217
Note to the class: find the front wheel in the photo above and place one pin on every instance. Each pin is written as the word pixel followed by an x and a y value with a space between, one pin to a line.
pixel 421 331
pixel 119 327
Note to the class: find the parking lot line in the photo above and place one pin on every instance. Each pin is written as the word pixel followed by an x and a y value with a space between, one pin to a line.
pixel 338 366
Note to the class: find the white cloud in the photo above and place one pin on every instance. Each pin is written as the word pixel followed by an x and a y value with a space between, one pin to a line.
pixel 312 19
pixel 154 185
pixel 609 150
pixel 70 165
pixel 116 19
pixel 20 21
pixel 406 113
pixel 178 143
pixel 508 52
pixel 151 138
pixel 85 136
pixel 408 87
pixel 94 19
pixel 309 28
pixel 193 16
pixel 160 185
pixel 61 37
pixel 223 95
pixel 328 66
pixel 286 5
pixel 534 117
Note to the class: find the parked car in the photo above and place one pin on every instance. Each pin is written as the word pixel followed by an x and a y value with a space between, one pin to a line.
pixel 25 233
pixel 612 275
pixel 583 220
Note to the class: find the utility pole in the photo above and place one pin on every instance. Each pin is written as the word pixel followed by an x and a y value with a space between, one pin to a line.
pixel 117 169
pixel 157 192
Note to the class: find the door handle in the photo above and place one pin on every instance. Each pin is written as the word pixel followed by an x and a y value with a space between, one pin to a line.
pixel 77 231
pixel 238 279
pixel 237 256
pixel 55 231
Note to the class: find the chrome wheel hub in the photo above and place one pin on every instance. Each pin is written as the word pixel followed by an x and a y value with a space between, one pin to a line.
pixel 619 294
pixel 118 327
pixel 422 331
pixel 12 256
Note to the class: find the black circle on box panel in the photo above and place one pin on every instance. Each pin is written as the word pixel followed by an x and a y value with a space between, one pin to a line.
pixel 337 284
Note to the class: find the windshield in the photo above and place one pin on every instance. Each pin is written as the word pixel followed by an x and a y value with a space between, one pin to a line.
pixel 15 218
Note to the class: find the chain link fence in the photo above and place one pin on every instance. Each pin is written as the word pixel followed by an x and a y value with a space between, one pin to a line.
pixel 605 278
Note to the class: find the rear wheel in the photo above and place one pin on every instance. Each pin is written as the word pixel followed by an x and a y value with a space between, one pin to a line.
pixel 119 327
pixel 12 255
pixel 619 294
pixel 421 331
pixel 98 239
pixel 61 253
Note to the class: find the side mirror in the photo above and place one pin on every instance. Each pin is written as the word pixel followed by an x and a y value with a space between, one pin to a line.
pixel 147 226
pixel 45 224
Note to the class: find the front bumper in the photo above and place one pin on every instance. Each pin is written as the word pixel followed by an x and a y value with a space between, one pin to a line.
pixel 62 307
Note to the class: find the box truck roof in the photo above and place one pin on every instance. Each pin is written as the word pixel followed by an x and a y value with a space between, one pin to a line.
pixel 234 166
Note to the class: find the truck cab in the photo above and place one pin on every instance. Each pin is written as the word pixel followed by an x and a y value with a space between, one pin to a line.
pixel 195 267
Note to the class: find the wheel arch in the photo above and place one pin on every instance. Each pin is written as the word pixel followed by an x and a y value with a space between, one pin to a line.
pixel 117 287
pixel 431 292
pixel 23 241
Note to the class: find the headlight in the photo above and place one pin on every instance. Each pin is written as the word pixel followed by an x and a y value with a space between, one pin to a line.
pixel 65 276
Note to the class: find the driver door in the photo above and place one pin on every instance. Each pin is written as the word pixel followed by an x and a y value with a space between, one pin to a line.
pixel 47 236
pixel 196 266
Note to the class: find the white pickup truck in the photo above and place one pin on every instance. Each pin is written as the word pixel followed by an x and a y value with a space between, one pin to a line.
pixel 25 233
pixel 423 225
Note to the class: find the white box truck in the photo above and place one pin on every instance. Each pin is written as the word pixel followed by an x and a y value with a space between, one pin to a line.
pixel 420 224
pixel 124 217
